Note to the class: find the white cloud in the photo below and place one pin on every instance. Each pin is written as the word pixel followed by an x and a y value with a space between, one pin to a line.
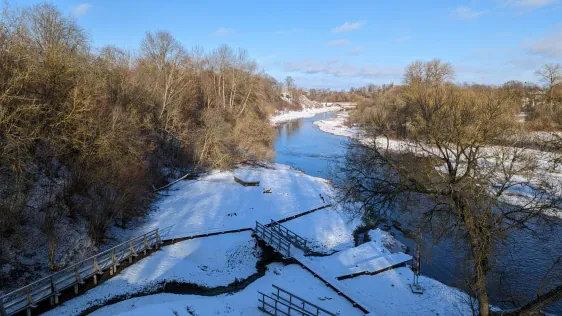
pixel 402 39
pixel 82 9
pixel 526 3
pixel 548 46
pixel 466 13
pixel 342 42
pixel 337 69
pixel 348 26
pixel 221 31
pixel 355 50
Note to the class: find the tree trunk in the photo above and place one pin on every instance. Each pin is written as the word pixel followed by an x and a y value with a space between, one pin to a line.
pixel 480 248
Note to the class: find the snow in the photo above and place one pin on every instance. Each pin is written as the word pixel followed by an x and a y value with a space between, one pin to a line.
pixel 370 257
pixel 284 116
pixel 327 230
pixel 291 278
pixel 209 262
pixel 337 126
pixel 388 293
pixel 215 202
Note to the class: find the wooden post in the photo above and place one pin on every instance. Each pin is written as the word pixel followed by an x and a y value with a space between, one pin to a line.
pixel 158 240
pixel 114 261
pixel 97 270
pixel 132 252
pixel 145 241
pixel 78 280
pixel 2 309
pixel 55 296
pixel 30 302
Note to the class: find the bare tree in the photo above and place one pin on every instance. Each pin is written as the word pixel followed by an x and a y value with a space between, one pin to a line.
pixel 447 162
pixel 167 61
pixel 550 75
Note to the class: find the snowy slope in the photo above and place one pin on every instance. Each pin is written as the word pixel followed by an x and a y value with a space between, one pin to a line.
pixel 291 278
pixel 326 230
pixel 216 202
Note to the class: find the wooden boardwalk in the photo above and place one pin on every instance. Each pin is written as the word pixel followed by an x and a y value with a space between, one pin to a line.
pixel 50 288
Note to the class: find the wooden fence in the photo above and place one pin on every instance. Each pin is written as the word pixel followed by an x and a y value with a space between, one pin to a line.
pixel 295 239
pixel 273 239
pixel 281 302
pixel 50 287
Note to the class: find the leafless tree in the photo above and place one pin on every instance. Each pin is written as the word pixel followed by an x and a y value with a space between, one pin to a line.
pixel 550 75
pixel 462 185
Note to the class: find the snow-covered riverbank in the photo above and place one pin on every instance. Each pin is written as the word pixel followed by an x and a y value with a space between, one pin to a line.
pixel 284 116
pixel 215 201
pixel 337 126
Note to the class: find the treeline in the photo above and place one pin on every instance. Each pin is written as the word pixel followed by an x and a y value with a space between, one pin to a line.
pixel 86 134
pixel 538 105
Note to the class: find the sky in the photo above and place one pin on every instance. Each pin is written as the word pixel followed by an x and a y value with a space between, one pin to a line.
pixel 343 44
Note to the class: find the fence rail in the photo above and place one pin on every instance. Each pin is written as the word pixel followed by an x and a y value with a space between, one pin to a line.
pixel 273 239
pixel 295 239
pixel 50 287
pixel 286 303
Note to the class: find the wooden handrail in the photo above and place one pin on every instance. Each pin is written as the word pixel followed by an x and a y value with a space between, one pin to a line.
pixel 72 276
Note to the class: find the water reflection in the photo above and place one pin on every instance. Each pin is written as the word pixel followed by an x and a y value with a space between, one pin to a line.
pixel 289 127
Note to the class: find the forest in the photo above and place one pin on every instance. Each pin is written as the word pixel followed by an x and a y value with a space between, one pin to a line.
pixel 87 133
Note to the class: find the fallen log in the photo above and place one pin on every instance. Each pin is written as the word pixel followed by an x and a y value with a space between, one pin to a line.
pixel 247 183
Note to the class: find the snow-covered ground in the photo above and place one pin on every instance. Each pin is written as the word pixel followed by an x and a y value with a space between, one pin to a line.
pixel 284 116
pixel 292 278
pixel 370 257
pixel 386 293
pixel 337 126
pixel 327 230
pixel 215 201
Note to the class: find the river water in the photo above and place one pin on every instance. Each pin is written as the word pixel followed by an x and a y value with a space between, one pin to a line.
pixel 521 262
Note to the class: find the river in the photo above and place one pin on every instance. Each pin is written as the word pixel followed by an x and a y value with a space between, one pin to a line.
pixel 524 258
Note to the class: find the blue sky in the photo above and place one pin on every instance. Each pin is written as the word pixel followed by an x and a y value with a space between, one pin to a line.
pixel 339 44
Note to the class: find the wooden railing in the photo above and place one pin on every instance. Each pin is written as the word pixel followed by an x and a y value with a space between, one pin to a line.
pixel 273 239
pixel 295 239
pixel 281 302
pixel 50 287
